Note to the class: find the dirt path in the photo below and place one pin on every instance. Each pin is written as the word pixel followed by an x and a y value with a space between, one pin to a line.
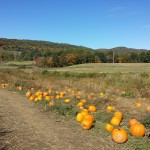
pixel 29 128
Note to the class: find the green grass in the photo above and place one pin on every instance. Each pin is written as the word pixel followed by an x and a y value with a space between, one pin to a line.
pixel 106 68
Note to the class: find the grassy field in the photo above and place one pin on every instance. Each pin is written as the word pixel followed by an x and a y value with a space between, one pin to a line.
pixel 123 85
pixel 106 68
pixel 88 68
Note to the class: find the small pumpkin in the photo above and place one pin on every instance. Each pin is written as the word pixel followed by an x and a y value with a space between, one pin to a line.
pixel 148 108
pixel 88 116
pixel 80 104
pixel 45 94
pixel 84 113
pixel 138 104
pixel 86 124
pixel 115 121
pixel 47 98
pixel 132 121
pixel 79 117
pixel 119 136
pixel 137 129
pixel 28 94
pixel 118 114
pixel 32 97
pixel 92 108
pixel 67 100
pixel 83 101
pixel 51 104
pixel 109 127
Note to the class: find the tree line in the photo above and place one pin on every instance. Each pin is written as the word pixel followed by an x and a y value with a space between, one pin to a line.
pixel 50 54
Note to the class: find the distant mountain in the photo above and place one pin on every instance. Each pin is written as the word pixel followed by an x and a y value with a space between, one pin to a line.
pixel 23 45
pixel 120 50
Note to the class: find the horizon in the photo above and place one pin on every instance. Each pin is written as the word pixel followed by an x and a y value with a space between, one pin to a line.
pixel 91 24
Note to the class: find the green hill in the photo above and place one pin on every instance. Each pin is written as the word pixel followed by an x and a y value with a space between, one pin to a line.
pixel 60 54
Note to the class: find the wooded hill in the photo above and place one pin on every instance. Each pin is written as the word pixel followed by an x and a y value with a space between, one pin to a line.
pixel 59 54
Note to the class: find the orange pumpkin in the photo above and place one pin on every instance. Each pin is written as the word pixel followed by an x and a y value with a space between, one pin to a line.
pixel 137 130
pixel 118 114
pixel 109 127
pixel 115 121
pixel 88 116
pixel 83 101
pixel 132 121
pixel 92 108
pixel 148 108
pixel 79 117
pixel 119 136
pixel 86 124
pixel 51 104
pixel 80 104
pixel 28 94
pixel 84 113
pixel 45 94
pixel 47 98
pixel 32 97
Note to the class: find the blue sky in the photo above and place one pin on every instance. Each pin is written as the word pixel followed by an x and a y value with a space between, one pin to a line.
pixel 90 23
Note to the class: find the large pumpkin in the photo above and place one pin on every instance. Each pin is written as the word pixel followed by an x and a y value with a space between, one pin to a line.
pixel 115 121
pixel 119 135
pixel 86 124
pixel 137 129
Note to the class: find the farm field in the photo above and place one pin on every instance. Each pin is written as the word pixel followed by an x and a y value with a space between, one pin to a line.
pixel 87 68
pixel 60 94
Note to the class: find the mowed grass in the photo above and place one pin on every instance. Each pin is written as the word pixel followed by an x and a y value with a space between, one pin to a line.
pixel 86 68
pixel 106 68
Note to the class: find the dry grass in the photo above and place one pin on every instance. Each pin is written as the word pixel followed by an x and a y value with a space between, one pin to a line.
pixel 125 89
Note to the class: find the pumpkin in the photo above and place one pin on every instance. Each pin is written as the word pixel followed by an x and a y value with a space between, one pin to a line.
pixel 45 94
pixel 40 97
pixel 109 127
pixel 138 104
pixel 79 117
pixel 51 104
pixel 32 97
pixel 92 108
pixel 132 121
pixel 85 110
pixel 20 88
pixel 88 116
pixel 67 100
pixel 119 136
pixel 137 130
pixel 86 124
pixel 28 94
pixel 80 104
pixel 148 108
pixel 115 121
pixel 84 113
pixel 118 114
pixel 83 101
pixel 47 98
pixel 36 99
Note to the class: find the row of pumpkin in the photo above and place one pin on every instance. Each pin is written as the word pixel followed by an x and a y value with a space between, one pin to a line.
pixel 86 118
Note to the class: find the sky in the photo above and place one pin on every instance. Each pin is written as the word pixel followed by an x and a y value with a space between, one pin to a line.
pixel 90 23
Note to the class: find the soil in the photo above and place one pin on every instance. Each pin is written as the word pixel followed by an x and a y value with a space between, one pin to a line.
pixel 23 126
